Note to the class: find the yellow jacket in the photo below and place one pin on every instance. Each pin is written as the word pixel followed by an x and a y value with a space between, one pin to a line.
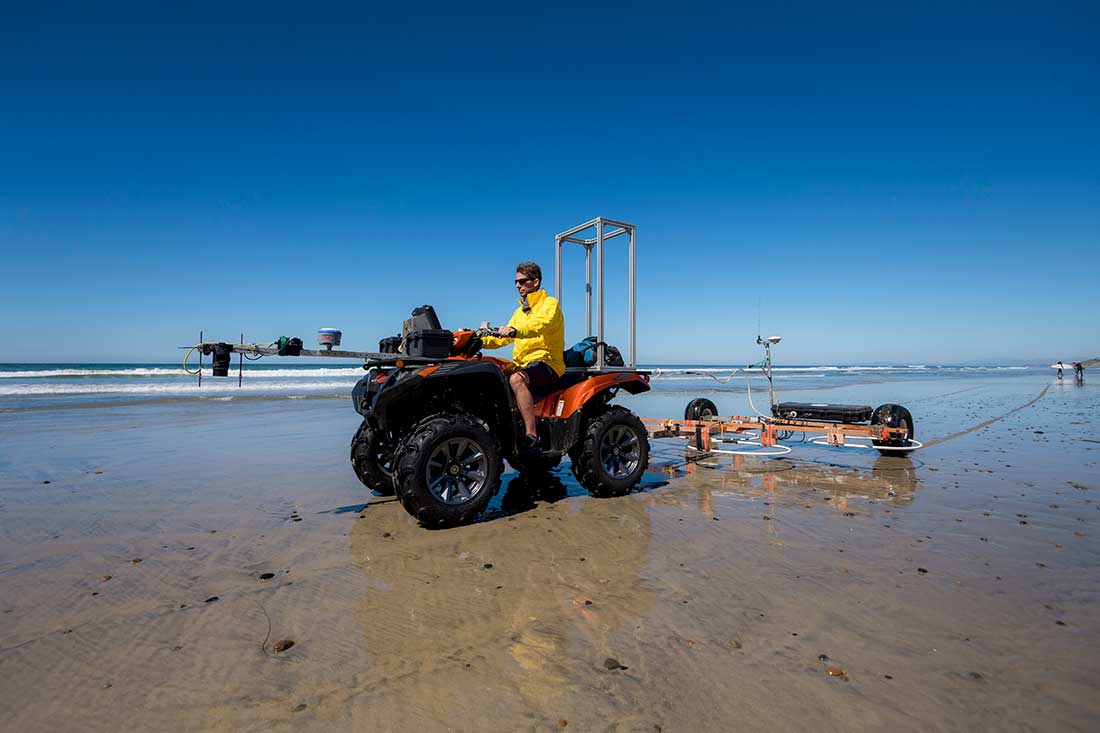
pixel 540 333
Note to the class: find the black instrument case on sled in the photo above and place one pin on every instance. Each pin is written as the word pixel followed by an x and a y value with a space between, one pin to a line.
pixel 818 411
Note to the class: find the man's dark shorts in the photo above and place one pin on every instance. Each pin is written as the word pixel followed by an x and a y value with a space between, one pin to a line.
pixel 541 379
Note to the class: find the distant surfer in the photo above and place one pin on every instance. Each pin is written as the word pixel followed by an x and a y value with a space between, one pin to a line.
pixel 1059 366
pixel 1078 372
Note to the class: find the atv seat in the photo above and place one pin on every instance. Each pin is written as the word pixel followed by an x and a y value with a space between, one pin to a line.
pixel 568 379
pixel 562 383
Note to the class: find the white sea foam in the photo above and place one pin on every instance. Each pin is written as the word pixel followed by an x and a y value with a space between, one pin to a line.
pixel 350 371
pixel 181 388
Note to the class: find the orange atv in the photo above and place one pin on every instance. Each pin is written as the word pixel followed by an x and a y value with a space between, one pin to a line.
pixel 437 428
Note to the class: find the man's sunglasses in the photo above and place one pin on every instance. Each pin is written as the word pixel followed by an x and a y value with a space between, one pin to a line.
pixel 524 280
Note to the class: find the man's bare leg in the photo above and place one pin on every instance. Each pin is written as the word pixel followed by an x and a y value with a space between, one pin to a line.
pixel 524 401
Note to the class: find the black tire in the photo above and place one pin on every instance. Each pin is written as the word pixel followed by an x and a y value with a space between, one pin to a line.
pixel 534 466
pixel 894 416
pixel 373 466
pixel 700 408
pixel 462 454
pixel 598 466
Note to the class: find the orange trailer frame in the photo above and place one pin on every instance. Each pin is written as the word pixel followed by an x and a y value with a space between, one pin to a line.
pixel 702 431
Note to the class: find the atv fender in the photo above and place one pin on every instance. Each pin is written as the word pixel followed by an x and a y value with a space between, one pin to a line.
pixel 567 402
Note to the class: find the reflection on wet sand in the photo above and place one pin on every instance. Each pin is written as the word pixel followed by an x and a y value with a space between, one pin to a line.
pixel 528 601
pixel 890 479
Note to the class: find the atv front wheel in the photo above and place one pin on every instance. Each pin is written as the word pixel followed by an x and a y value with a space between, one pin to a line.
pixel 613 453
pixel 447 470
pixel 372 464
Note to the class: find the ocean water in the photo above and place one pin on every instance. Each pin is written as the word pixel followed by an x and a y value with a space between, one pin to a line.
pixel 53 386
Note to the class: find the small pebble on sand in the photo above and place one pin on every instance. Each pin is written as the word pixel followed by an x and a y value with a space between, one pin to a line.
pixel 136 560
pixel 282 645
pixel 211 599
pixel 105 578
pixel 300 707
pixel 612 664
pixel 922 570
pixel 835 671
pixel 823 657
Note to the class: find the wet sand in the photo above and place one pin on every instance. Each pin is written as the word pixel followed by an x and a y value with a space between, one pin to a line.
pixel 954 590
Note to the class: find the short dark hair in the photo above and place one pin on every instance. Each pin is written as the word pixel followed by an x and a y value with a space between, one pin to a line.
pixel 531 270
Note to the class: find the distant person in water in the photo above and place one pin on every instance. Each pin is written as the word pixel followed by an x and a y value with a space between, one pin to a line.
pixel 1078 372
pixel 1060 365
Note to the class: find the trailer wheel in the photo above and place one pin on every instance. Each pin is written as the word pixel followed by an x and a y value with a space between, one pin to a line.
pixel 700 408
pixel 371 464
pixel 612 454
pixel 447 470
pixel 894 416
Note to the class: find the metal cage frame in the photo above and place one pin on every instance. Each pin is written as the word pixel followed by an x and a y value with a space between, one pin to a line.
pixel 605 229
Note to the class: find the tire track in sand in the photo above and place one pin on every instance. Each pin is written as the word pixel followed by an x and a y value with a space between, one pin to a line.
pixel 990 421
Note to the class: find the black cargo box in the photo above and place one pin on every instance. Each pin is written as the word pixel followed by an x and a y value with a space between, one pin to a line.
pixel 389 345
pixel 432 343
pixel 422 319
pixel 818 411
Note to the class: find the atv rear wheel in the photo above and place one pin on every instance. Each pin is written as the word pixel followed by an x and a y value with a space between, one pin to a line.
pixel 537 465
pixel 612 454
pixel 700 408
pixel 447 470
pixel 372 464
pixel 894 416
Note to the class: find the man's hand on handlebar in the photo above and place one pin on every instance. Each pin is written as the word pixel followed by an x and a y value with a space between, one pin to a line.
pixel 503 332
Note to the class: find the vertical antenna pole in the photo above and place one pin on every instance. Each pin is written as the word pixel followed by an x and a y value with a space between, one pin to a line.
pixel 588 290
pixel 633 307
pixel 557 266
pixel 240 365
pixel 200 358
pixel 600 354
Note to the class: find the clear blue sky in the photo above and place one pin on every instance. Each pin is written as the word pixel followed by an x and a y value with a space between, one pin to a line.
pixel 898 185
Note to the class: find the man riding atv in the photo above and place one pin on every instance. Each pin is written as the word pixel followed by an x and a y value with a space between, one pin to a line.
pixel 440 417
pixel 538 332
